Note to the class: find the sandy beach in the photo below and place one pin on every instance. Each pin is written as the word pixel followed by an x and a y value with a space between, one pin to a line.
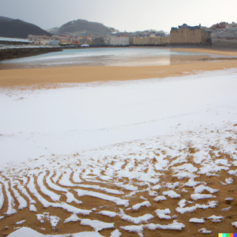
pixel 180 65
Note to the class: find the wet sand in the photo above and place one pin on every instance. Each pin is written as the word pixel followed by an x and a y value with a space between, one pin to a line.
pixel 221 51
pixel 179 65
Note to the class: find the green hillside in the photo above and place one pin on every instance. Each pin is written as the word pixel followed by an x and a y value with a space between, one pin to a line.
pixel 83 28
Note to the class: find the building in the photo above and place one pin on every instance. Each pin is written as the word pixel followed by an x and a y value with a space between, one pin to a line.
pixel 118 39
pixel 225 37
pixel 83 41
pixel 188 35
pixel 54 43
pixel 223 25
pixel 40 39
pixel 150 41
pixel 224 34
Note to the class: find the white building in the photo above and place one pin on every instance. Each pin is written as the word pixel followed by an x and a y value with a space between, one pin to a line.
pixel 117 39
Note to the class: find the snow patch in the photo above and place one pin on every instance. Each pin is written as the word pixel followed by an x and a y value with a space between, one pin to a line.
pixel 197 220
pixel 198 196
pixel 171 194
pixel 163 214
pixel 204 231
pixel 143 204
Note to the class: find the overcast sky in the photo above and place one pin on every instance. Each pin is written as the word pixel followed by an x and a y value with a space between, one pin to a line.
pixel 129 15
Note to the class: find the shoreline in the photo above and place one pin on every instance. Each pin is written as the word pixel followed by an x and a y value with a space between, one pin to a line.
pixel 184 65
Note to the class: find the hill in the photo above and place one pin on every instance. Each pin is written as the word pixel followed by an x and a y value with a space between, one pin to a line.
pixel 53 30
pixel 82 28
pixel 16 28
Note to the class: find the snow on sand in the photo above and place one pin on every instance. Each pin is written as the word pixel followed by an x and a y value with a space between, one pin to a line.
pixel 116 149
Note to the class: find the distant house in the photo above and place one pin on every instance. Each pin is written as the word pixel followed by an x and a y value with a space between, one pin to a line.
pixel 195 35
pixel 119 39
pixel 150 41
pixel 225 37
pixel 54 43
pixel 75 41
pixel 83 41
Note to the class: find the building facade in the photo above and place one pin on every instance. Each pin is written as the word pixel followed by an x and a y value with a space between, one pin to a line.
pixel 150 41
pixel 188 35
pixel 225 37
pixel 118 39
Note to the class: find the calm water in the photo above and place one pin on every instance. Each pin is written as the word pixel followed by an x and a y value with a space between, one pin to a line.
pixel 97 56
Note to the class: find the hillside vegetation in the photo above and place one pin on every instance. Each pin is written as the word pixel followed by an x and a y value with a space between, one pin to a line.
pixel 82 28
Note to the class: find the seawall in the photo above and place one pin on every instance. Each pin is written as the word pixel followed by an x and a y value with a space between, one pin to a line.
pixel 11 53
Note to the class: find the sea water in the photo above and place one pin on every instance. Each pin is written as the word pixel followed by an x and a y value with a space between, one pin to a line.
pixel 98 56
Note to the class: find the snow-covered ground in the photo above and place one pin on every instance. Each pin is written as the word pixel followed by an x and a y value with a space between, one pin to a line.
pixel 141 151
pixel 68 120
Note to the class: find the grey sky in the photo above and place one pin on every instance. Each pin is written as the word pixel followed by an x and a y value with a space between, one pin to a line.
pixel 129 15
